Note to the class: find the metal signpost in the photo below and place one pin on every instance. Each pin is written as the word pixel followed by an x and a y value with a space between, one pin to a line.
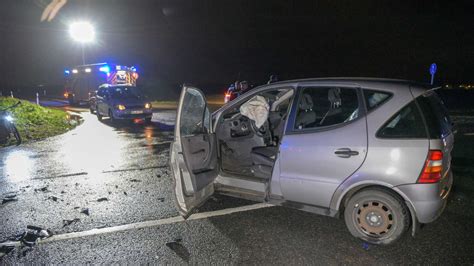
pixel 433 68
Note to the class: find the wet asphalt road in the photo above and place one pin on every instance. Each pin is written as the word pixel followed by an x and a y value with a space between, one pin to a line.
pixel 55 179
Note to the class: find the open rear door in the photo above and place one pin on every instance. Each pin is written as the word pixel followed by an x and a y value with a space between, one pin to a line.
pixel 193 152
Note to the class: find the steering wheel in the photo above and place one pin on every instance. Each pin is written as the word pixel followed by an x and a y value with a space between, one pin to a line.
pixel 262 131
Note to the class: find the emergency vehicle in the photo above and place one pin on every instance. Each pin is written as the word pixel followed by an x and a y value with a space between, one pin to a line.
pixel 82 81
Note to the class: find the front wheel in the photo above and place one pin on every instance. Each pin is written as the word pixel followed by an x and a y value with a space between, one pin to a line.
pixel 99 116
pixel 376 216
pixel 111 117
pixel 16 134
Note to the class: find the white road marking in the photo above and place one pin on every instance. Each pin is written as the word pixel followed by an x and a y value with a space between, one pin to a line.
pixel 468 134
pixel 152 223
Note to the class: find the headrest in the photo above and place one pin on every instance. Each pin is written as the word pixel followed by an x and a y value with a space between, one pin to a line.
pixel 306 102
pixel 334 97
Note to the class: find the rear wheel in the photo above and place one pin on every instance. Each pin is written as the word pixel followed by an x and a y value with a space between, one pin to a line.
pixel 377 216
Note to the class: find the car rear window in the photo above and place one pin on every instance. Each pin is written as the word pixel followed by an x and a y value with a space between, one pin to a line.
pixel 406 123
pixel 436 116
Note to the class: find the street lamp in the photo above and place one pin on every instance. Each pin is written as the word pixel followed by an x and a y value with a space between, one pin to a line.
pixel 82 32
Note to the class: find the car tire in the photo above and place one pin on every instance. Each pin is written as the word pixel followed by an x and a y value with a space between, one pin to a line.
pixel 377 216
pixel 99 116
pixel 92 110
pixel 111 116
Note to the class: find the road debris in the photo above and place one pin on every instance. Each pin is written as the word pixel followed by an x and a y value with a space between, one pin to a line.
pixel 161 199
pixel 5 249
pixel 125 193
pixel 43 189
pixel 102 199
pixel 27 239
pixel 54 198
pixel 135 180
pixel 85 211
pixel 69 222
pixel 179 249
pixel 9 198
pixel 24 250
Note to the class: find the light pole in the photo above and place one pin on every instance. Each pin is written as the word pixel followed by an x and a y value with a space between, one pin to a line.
pixel 82 32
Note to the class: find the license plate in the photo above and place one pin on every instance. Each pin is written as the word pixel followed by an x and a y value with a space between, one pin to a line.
pixel 136 112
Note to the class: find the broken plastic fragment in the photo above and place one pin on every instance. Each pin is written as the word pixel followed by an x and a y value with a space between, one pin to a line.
pixel 179 249
pixel 85 211
pixel 7 200
pixel 54 198
pixel 5 249
pixel 68 222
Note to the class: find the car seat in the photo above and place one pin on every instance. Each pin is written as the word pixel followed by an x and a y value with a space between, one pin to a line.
pixel 306 114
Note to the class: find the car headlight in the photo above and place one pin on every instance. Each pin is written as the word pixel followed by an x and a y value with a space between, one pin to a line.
pixel 9 118
pixel 148 105
pixel 121 107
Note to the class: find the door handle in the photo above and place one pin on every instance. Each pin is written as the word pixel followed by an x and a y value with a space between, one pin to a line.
pixel 345 152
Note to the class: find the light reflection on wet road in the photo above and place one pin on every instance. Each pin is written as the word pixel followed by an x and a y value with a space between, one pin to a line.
pixel 92 148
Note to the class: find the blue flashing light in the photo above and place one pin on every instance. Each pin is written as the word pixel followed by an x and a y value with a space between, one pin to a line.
pixel 67 72
pixel 117 67
pixel 134 69
pixel 105 69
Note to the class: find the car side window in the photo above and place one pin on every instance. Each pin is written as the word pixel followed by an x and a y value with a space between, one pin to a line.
pixel 374 99
pixel 326 106
pixel 406 123
pixel 194 114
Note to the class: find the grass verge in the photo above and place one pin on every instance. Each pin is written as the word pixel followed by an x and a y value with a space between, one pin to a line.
pixel 35 122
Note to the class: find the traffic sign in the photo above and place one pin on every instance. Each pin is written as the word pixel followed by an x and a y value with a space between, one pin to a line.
pixel 433 68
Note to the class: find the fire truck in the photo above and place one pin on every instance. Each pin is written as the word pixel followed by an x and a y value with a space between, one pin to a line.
pixel 82 81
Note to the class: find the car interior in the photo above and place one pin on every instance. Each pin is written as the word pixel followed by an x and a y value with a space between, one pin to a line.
pixel 322 107
pixel 249 134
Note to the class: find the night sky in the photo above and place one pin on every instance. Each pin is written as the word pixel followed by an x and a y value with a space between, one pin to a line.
pixel 212 43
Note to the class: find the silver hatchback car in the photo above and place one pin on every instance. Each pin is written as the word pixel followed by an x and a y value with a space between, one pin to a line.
pixel 376 152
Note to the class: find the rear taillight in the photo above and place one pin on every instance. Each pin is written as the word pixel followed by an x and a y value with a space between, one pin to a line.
pixel 433 167
pixel 226 97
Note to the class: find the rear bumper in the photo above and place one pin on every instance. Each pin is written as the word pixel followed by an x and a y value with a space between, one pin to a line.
pixel 428 200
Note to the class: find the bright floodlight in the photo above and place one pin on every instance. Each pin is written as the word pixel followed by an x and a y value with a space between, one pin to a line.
pixel 82 32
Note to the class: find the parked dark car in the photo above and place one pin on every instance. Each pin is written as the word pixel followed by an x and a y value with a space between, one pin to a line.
pixel 122 102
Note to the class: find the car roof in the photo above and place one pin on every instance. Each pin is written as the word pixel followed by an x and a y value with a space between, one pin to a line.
pixel 393 85
pixel 358 80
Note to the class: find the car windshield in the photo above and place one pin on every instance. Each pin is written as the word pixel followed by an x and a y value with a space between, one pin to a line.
pixel 125 93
